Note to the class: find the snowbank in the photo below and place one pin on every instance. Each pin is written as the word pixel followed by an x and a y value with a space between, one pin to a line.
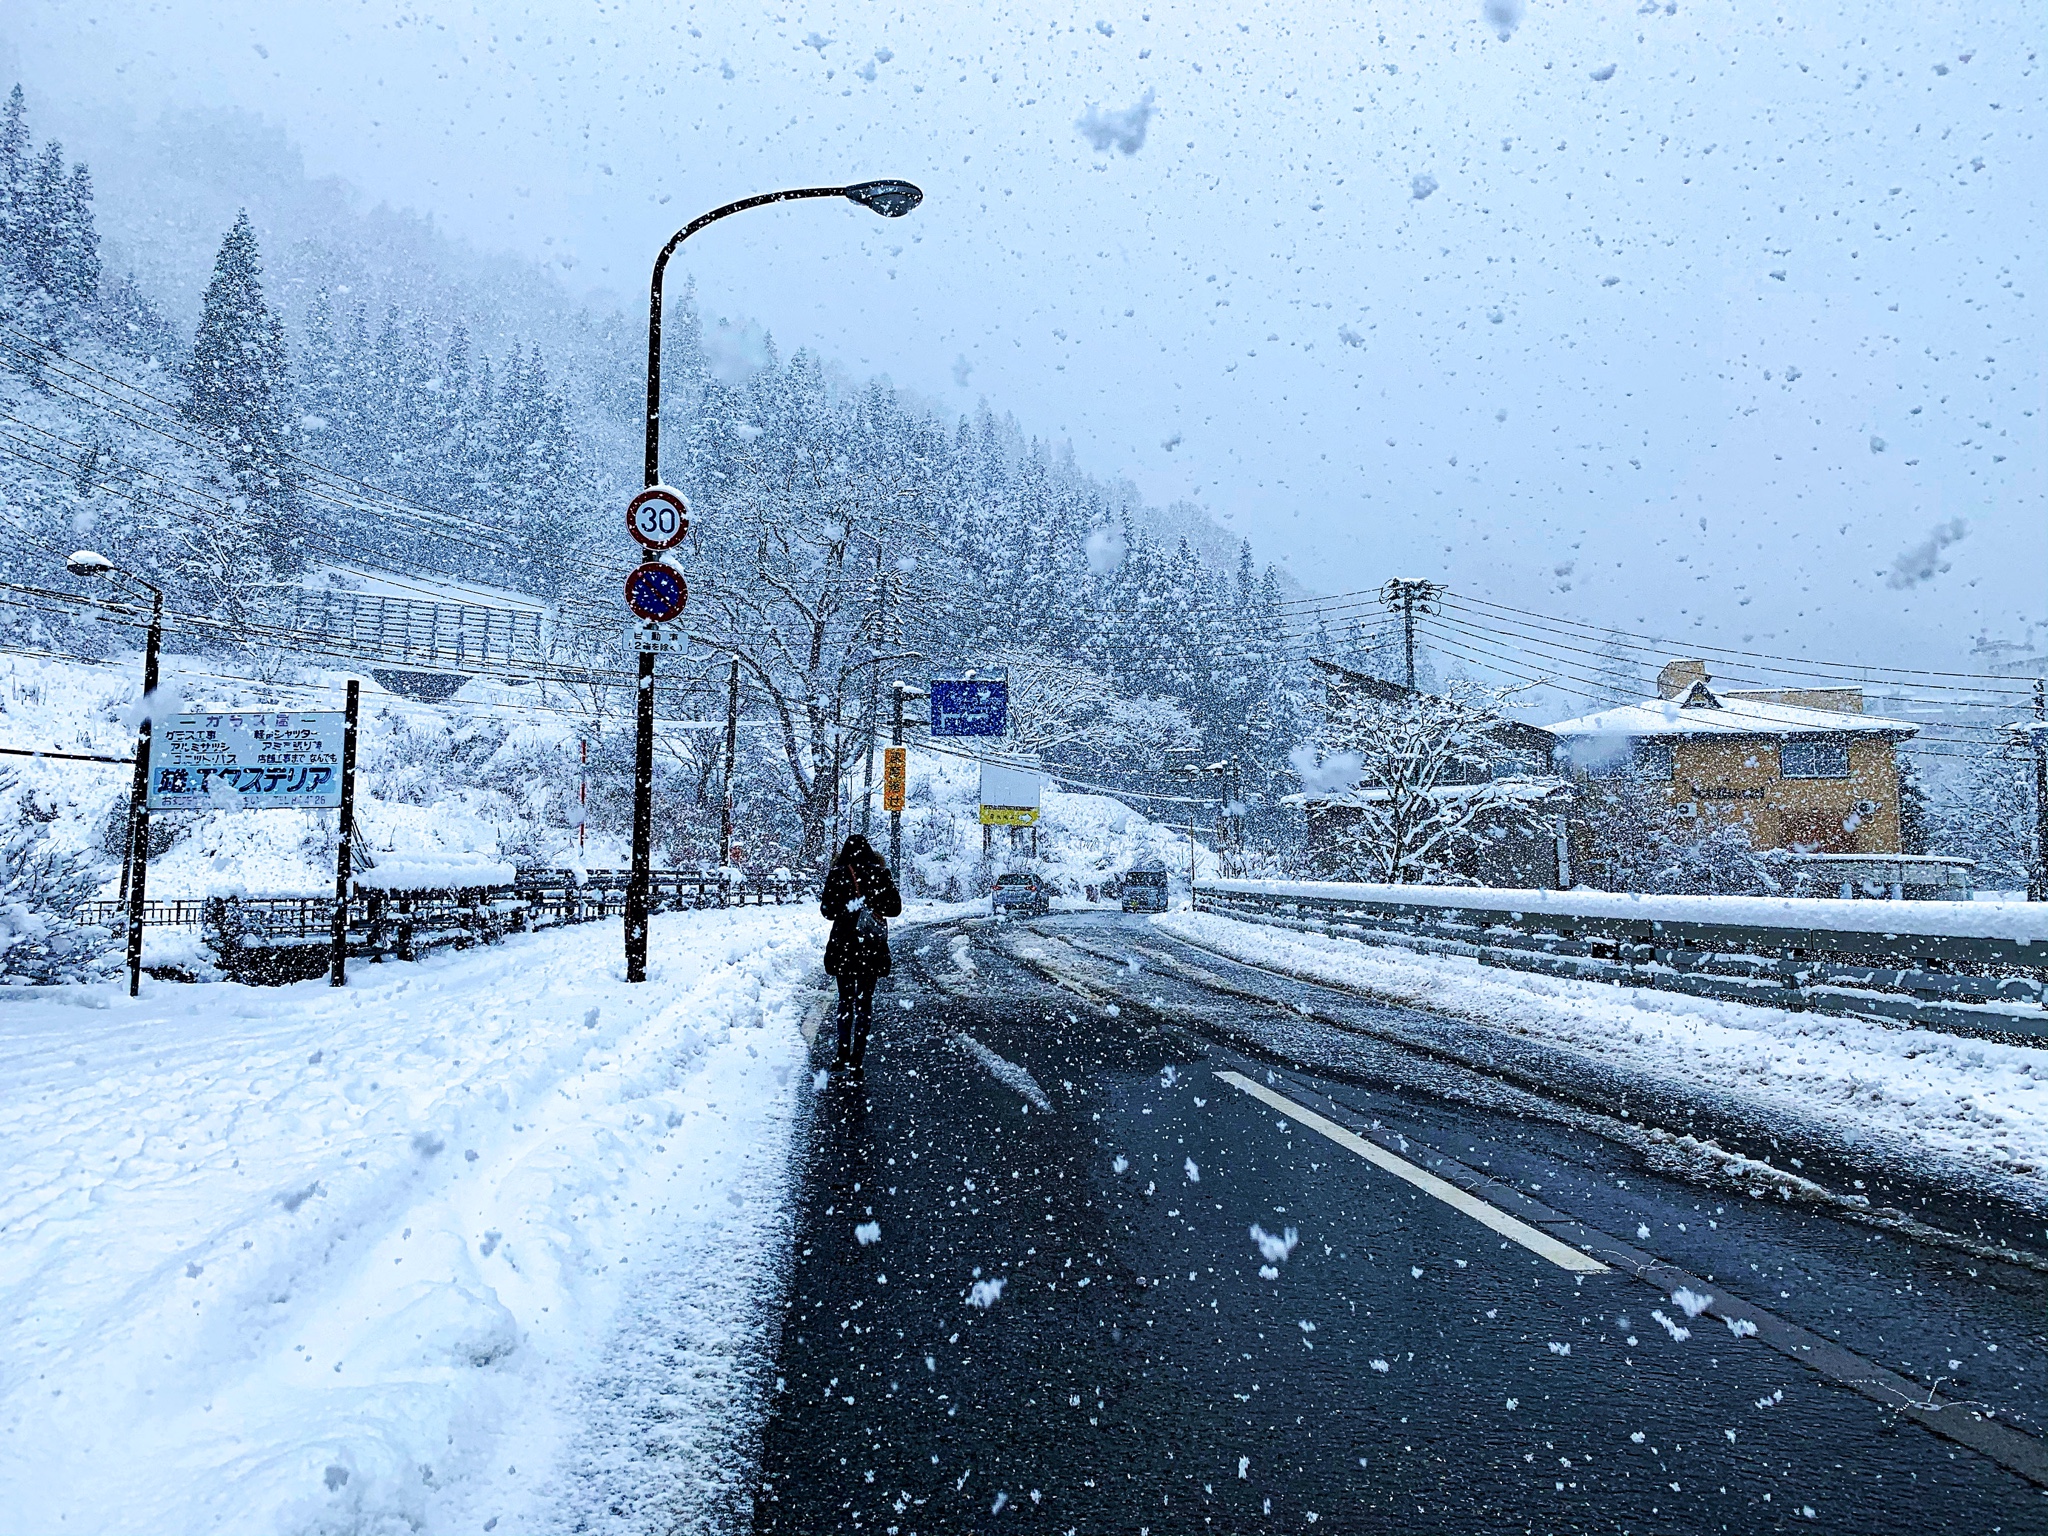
pixel 433 872
pixel 2024 922
pixel 1084 839
pixel 317 1259
pixel 1968 1099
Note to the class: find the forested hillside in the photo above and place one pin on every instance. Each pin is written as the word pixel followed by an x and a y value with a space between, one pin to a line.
pixel 847 536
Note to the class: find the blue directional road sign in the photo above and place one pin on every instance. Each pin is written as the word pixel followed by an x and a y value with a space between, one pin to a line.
pixel 656 592
pixel 970 706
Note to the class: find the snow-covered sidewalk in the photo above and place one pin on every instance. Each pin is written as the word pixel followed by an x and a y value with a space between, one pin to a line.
pixel 1965 1099
pixel 306 1259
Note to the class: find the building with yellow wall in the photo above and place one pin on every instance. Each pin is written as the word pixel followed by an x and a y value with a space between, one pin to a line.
pixel 1805 770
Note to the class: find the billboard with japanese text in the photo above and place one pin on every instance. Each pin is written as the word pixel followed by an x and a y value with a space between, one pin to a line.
pixel 250 760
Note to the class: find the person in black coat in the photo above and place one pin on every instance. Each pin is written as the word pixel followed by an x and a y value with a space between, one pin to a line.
pixel 859 898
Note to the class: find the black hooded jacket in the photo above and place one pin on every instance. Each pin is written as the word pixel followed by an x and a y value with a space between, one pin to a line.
pixel 858 874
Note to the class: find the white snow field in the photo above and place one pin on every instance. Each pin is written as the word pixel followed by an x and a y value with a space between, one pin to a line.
pixel 394 1257
pixel 1965 1099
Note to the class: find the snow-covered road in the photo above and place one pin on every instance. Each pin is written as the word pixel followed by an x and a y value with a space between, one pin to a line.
pixel 306 1259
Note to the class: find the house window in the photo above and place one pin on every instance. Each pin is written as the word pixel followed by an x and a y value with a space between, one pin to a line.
pixel 1814 758
pixel 1651 759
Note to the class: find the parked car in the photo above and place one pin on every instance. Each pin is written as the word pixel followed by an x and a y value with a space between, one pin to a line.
pixel 1145 890
pixel 1021 893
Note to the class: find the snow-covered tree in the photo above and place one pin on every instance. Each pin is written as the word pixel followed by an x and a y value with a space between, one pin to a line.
pixel 242 397
pixel 1987 814
pixel 1632 841
pixel 42 887
pixel 798 523
pixel 1415 775
pixel 49 246
pixel 1058 705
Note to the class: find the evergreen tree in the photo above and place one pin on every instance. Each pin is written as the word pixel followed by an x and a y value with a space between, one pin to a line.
pixel 15 171
pixel 50 248
pixel 242 397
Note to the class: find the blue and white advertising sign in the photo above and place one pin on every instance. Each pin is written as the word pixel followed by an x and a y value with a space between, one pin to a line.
pixel 274 760
pixel 970 706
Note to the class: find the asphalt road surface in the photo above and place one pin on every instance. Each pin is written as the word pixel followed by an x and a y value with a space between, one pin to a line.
pixel 1106 1244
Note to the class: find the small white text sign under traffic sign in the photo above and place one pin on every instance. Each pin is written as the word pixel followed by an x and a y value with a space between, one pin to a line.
pixel 281 760
pixel 665 639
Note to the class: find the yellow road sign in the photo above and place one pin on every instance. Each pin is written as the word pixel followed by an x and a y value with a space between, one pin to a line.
pixel 895 774
pixel 1009 815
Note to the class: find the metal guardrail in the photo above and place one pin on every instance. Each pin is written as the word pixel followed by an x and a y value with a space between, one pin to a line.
pixel 272 939
pixel 1957 983
pixel 405 632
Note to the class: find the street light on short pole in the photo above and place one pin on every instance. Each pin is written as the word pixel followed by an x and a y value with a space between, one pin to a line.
pixel 890 199
pixel 135 850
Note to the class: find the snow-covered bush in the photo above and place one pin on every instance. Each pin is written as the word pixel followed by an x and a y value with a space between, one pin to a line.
pixel 1635 844
pixel 41 886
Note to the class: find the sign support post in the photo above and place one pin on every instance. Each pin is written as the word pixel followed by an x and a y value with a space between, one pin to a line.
pixel 345 850
pixel 138 806
pixel 732 741
pixel 895 773
pixel 638 900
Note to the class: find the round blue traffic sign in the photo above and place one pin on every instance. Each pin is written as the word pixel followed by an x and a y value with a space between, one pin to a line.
pixel 656 592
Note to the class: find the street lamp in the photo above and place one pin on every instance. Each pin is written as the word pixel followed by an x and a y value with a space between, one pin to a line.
pixel 135 853
pixel 890 199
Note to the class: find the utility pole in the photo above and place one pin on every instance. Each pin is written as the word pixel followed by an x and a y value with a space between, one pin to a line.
pixel 1409 598
pixel 890 199
pixel 732 738
pixel 2037 883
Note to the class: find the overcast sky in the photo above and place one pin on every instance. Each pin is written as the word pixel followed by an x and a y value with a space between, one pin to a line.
pixel 1691 318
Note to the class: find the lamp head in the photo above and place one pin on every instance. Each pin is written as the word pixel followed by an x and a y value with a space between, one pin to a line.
pixel 891 199
pixel 88 562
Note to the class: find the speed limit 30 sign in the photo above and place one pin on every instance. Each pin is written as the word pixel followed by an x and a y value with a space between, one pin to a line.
pixel 658 518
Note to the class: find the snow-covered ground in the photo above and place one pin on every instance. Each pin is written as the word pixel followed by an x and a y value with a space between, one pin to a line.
pixel 1961 1098
pixel 379 1258
pixel 1084 839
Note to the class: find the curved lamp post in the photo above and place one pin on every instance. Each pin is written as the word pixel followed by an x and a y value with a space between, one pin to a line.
pixel 892 200
pixel 135 854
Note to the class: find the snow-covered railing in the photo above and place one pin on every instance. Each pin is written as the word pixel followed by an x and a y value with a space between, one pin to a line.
pixel 460 637
pixel 1968 967
pixel 287 938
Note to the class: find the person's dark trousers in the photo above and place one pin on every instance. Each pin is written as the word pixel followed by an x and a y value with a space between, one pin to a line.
pixel 856 1011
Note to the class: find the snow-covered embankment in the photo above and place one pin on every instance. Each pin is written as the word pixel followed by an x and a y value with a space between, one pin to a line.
pixel 310 1259
pixel 1973 1102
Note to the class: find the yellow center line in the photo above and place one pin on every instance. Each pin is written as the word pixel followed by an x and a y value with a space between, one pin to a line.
pixel 1542 1244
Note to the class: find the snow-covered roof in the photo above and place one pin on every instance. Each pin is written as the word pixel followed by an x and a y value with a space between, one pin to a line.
pixel 1534 791
pixel 1702 712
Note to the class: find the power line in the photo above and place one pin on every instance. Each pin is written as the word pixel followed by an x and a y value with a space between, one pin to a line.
pixel 1712 650
pixel 1474 635
pixel 1708 725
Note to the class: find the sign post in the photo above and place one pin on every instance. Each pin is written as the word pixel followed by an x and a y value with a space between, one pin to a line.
pixel 896 779
pixel 1009 796
pixel 656 593
pixel 344 855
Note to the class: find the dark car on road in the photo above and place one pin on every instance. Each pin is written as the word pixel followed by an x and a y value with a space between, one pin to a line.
pixel 1145 890
pixel 1021 893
